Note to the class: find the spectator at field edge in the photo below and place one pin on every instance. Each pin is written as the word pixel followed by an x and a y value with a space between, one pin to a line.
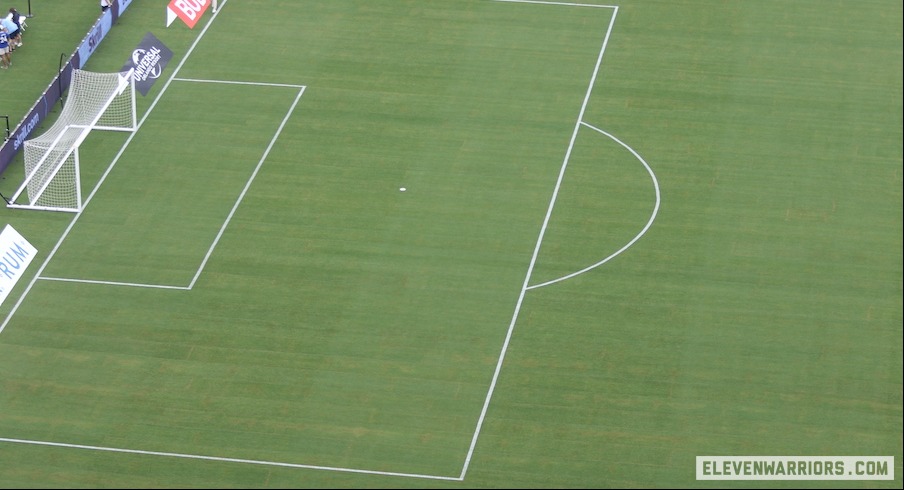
pixel 12 32
pixel 5 61
pixel 17 19
pixel 105 5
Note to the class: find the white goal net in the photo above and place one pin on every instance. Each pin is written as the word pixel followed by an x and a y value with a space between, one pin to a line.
pixel 96 101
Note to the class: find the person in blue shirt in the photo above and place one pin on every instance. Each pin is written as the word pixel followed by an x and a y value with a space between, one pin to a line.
pixel 12 32
pixel 19 20
pixel 5 61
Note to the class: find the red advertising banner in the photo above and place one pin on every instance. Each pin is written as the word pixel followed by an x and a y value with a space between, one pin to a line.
pixel 187 10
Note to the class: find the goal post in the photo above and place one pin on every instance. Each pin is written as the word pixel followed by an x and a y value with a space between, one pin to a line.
pixel 96 101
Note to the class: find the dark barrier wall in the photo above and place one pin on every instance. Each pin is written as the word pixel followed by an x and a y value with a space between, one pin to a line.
pixel 60 83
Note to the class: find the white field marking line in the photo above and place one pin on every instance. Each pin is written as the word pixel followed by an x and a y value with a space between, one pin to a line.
pixel 234 207
pixel 238 82
pixel 116 283
pixel 103 177
pixel 533 259
pixel 633 240
pixel 226 460
pixel 566 4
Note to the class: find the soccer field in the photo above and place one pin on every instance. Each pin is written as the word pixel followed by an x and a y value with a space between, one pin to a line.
pixel 435 243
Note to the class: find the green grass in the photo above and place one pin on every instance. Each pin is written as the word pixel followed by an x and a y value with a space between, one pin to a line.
pixel 338 322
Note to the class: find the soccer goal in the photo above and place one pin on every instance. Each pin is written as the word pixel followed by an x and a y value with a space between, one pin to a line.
pixel 97 101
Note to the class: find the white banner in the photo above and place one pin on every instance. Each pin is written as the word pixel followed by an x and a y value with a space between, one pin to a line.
pixel 15 255
pixel 795 467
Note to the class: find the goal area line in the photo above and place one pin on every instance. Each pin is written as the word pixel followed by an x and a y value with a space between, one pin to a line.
pixel 196 274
